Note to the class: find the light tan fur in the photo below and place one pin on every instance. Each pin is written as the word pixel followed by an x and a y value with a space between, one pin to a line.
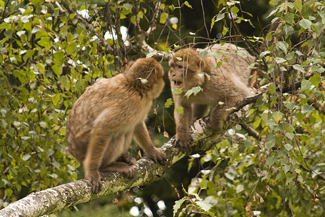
pixel 110 113
pixel 222 88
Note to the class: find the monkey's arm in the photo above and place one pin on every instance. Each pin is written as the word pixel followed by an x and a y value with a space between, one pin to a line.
pixel 94 155
pixel 141 136
pixel 183 136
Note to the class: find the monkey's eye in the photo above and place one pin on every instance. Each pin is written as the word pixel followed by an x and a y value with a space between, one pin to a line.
pixel 179 66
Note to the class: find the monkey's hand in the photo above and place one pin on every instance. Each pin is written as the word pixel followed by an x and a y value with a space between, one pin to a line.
pixel 157 155
pixel 127 159
pixel 95 180
pixel 183 143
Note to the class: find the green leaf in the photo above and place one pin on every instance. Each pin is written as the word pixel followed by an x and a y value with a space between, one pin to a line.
pixel 55 99
pixel 299 68
pixel 188 4
pixel 36 29
pixel 289 18
pixel 273 2
pixel 239 188
pixel 234 10
pixel 56 69
pixel 316 79
pixel 28 54
pixel 180 110
pixel 272 89
pixel 307 109
pixel 305 85
pixel 203 54
pixel 304 23
pixel 122 16
pixel 220 17
pixel 283 46
pixel 127 6
pixel 178 205
pixel 298 5
pixel 204 205
pixel 290 135
pixel 177 91
pixel 271 160
pixel 8 33
pixel 169 103
pixel 194 90
pixel 163 17
pixel 45 42
pixel 26 157
pixel 71 48
pixel 286 168
pixel 19 33
pixel 288 147
pixel 42 124
pixel 270 141
pixel 280 60
pixel 143 80
pixel 277 116
pixel 289 105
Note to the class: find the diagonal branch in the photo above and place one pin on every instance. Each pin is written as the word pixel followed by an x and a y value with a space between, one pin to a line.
pixel 66 195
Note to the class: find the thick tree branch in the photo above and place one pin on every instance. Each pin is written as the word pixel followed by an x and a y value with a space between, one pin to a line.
pixel 70 194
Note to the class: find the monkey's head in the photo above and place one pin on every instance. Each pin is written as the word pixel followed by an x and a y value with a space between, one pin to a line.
pixel 185 69
pixel 146 76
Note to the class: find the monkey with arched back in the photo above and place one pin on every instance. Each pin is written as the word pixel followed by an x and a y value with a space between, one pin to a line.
pixel 218 86
pixel 108 115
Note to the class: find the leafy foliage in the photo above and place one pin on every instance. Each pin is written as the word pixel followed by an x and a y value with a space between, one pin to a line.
pixel 282 173
pixel 49 54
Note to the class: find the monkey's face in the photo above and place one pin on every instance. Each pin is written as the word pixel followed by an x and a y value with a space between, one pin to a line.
pixel 185 67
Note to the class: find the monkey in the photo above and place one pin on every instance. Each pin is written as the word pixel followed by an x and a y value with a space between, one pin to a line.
pixel 108 115
pixel 221 87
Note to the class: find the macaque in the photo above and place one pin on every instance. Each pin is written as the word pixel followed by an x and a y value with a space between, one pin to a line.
pixel 108 115
pixel 216 87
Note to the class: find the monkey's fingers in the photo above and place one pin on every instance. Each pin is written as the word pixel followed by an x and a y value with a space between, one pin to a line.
pixel 95 181
pixel 96 186
pixel 158 155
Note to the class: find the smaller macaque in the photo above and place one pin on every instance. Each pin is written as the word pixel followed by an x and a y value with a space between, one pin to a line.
pixel 219 88
pixel 109 114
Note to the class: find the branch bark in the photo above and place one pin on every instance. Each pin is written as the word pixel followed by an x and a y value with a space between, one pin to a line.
pixel 66 195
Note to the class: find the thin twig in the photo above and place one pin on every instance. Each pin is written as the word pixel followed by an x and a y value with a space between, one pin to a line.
pixel 154 19
pixel 90 27
pixel 205 25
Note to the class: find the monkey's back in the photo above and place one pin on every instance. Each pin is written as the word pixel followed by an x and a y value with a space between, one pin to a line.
pixel 110 100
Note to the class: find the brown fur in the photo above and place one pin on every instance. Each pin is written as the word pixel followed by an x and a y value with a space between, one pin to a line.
pixel 227 84
pixel 108 115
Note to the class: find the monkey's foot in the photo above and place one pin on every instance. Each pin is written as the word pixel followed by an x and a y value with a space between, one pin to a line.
pixel 121 167
pixel 127 159
pixel 184 145
pixel 95 181
pixel 157 155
